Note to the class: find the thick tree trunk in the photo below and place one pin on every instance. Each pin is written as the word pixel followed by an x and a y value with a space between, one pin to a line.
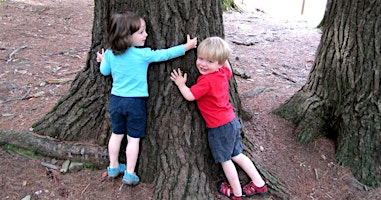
pixel 342 95
pixel 174 155
pixel 82 115
pixel 176 149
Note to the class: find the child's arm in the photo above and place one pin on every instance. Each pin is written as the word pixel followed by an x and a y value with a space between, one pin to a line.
pixel 191 43
pixel 180 80
pixel 104 68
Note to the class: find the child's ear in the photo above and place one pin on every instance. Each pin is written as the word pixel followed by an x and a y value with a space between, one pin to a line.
pixel 222 63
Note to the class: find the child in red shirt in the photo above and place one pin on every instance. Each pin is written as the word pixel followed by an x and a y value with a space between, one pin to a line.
pixel 212 95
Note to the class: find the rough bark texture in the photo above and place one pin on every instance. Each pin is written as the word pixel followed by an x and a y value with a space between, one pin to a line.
pixel 82 114
pixel 44 145
pixel 174 155
pixel 177 151
pixel 342 95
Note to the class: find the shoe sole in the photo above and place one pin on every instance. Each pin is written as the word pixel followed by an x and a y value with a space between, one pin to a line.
pixel 121 170
pixel 130 183
pixel 256 194
pixel 112 176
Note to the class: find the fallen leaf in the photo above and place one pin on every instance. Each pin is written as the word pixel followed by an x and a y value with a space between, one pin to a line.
pixel 7 114
pixel 59 81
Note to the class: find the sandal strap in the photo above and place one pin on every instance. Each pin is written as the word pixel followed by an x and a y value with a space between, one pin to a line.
pixel 251 189
pixel 236 198
pixel 248 190
pixel 225 188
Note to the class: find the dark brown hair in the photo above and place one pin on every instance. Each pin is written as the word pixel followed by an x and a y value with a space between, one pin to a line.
pixel 121 27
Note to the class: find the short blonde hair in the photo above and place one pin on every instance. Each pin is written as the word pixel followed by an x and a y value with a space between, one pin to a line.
pixel 214 48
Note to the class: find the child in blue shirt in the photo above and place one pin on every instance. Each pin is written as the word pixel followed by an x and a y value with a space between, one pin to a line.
pixel 127 61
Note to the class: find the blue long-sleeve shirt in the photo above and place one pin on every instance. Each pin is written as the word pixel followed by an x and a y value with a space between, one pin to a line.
pixel 129 70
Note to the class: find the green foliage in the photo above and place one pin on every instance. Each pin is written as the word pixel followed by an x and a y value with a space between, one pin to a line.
pixel 33 155
pixel 230 5
pixel 19 150
pixel 90 166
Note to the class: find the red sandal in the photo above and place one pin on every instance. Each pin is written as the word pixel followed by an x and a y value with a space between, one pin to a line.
pixel 225 189
pixel 236 198
pixel 251 189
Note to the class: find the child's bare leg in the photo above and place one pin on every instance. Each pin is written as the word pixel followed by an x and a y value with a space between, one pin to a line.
pixel 132 152
pixel 113 149
pixel 232 176
pixel 247 165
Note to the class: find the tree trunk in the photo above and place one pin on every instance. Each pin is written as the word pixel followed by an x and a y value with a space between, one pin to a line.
pixel 342 95
pixel 174 155
pixel 82 115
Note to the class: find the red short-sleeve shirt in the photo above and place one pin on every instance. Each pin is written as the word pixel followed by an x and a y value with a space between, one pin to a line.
pixel 212 95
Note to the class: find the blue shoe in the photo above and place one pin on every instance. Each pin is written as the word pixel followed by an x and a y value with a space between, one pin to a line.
pixel 114 172
pixel 130 179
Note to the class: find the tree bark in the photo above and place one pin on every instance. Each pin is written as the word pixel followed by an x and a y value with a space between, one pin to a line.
pixel 81 115
pixel 47 146
pixel 342 95
pixel 174 155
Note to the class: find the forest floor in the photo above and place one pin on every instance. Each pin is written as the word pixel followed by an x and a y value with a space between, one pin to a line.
pixel 44 44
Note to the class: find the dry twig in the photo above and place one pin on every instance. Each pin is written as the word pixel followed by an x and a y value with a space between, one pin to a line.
pixel 83 191
pixel 14 52
pixel 283 76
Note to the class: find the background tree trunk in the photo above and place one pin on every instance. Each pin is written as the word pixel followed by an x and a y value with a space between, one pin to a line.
pixel 82 114
pixel 342 95
pixel 174 155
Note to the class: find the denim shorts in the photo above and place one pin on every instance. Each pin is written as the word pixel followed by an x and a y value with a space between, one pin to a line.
pixel 128 115
pixel 225 141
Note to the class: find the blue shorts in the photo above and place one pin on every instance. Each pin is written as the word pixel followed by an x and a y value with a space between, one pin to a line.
pixel 225 141
pixel 128 115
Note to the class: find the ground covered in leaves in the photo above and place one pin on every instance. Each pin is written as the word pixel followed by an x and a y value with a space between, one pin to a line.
pixel 44 44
